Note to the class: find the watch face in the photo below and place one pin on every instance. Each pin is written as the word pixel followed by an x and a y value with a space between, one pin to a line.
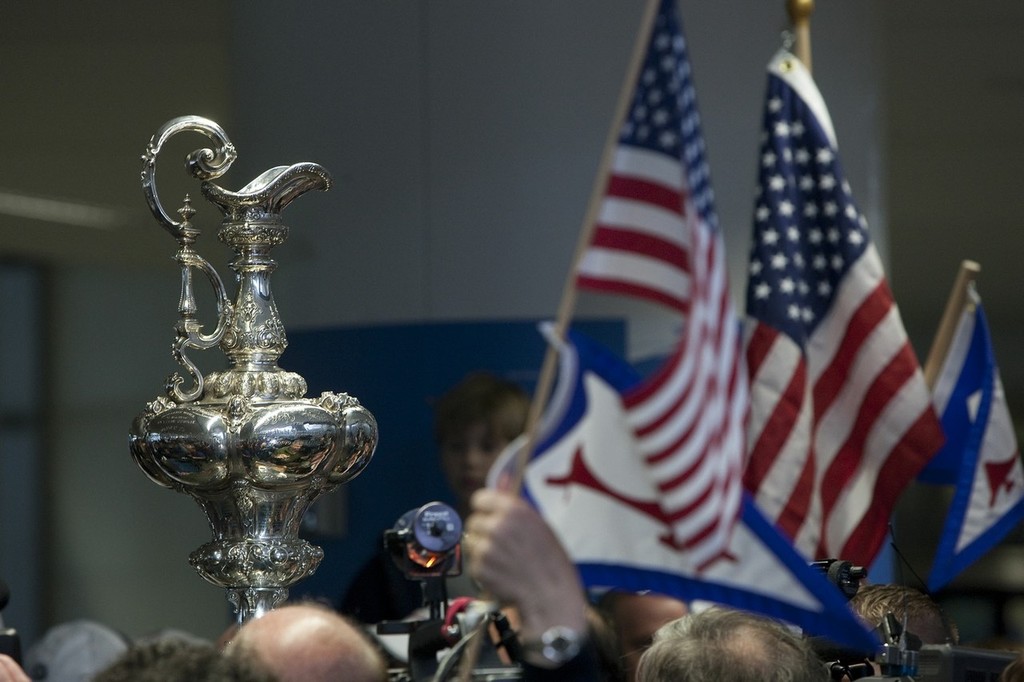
pixel 560 644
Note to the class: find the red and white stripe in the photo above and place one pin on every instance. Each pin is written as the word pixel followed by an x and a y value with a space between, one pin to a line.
pixel 839 428
pixel 641 241
pixel 650 243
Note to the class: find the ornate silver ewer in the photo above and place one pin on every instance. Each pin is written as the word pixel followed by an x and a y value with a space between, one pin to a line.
pixel 245 443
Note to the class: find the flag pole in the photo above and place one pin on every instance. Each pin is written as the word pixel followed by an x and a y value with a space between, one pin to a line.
pixel 550 364
pixel 950 317
pixel 800 17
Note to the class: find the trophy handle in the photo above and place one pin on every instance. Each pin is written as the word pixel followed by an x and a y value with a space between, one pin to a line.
pixel 188 330
pixel 203 164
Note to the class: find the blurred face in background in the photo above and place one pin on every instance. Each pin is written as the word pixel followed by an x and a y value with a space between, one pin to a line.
pixel 467 457
pixel 635 618
pixel 473 422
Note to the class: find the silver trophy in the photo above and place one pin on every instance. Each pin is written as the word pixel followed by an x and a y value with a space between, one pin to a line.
pixel 245 443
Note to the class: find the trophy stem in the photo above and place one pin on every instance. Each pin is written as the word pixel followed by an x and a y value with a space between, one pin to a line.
pixel 253 602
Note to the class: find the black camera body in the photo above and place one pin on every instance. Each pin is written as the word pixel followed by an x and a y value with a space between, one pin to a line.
pixel 948 663
pixel 843 574
pixel 902 656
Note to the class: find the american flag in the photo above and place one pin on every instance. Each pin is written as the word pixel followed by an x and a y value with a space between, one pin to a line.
pixel 841 419
pixel 656 238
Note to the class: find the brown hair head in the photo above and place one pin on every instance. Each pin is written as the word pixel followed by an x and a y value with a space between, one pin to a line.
pixel 481 398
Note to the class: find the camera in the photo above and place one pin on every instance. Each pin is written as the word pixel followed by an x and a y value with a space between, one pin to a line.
pixel 426 545
pixel 425 542
pixel 842 574
pixel 941 663
pixel 902 657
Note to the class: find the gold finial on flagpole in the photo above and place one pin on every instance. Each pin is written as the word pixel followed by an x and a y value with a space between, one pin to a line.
pixel 800 17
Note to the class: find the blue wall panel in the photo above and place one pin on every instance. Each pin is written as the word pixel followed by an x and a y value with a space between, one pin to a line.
pixel 396 371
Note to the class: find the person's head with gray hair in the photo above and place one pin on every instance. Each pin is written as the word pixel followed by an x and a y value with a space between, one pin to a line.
pixel 729 646
pixel 179 659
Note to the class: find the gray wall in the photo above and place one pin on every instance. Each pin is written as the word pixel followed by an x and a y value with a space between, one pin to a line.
pixel 463 138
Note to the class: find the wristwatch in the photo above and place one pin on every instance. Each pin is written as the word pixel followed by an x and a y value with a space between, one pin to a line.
pixel 557 646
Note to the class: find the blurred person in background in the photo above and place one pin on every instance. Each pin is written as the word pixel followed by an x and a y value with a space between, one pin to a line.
pixel 473 422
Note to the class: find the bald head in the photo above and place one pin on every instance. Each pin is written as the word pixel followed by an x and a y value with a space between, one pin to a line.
pixel 309 643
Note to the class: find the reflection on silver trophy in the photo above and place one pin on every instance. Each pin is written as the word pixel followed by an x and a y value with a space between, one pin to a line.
pixel 245 443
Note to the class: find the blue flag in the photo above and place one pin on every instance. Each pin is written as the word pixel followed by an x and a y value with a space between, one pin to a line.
pixel 980 456
pixel 591 483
